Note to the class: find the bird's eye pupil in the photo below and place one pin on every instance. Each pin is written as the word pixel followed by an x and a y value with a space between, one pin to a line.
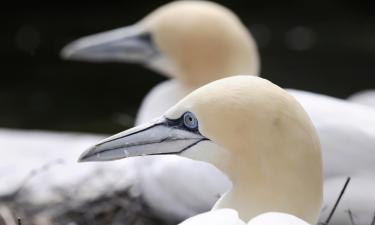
pixel 190 121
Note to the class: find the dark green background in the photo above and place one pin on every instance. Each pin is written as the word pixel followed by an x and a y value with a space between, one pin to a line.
pixel 40 91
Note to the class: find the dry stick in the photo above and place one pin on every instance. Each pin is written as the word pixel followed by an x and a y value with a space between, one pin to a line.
pixel 6 215
pixel 34 173
pixel 351 217
pixel 373 220
pixel 337 201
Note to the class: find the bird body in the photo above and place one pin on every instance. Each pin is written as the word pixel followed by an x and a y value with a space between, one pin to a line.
pixel 346 131
pixel 230 216
pixel 366 97
pixel 215 217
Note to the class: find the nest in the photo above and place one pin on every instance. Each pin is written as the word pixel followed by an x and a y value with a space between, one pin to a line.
pixel 118 208
pixel 115 207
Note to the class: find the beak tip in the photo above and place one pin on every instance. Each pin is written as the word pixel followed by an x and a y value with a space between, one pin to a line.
pixel 67 52
pixel 81 159
pixel 86 156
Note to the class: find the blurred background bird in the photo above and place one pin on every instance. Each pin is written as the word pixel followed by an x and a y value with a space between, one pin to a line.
pixel 49 94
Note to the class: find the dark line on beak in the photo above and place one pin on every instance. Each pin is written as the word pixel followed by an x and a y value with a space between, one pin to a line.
pixel 139 131
pixel 182 150
pixel 149 143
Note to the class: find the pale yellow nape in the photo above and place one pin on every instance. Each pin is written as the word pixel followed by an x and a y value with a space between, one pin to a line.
pixel 275 159
pixel 204 40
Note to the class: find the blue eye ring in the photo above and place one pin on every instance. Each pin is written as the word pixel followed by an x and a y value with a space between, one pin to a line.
pixel 190 121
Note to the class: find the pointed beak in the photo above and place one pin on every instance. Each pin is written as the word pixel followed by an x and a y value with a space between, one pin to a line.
pixel 128 44
pixel 158 138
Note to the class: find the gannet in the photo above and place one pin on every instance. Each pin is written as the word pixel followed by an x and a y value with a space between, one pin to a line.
pixel 192 42
pixel 249 128
pixel 181 40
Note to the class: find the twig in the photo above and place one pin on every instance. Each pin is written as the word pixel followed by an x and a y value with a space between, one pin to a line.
pixel 351 216
pixel 6 215
pixel 337 202
pixel 34 173
pixel 373 220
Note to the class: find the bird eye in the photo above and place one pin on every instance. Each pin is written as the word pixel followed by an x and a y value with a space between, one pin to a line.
pixel 190 121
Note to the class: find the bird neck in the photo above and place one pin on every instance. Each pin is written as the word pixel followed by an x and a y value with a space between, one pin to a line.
pixel 198 71
pixel 269 184
pixel 206 62
pixel 189 79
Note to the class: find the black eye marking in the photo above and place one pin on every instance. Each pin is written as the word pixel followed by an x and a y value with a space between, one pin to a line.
pixel 187 121
pixel 148 39
pixel 146 45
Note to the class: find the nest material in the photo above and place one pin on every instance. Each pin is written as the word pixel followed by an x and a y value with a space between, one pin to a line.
pixel 112 208
pixel 119 208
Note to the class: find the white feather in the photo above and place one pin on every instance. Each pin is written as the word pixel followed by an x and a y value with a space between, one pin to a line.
pixel 366 97
pixel 230 217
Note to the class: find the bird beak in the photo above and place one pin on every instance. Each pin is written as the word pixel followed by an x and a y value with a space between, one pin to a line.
pixel 161 137
pixel 128 44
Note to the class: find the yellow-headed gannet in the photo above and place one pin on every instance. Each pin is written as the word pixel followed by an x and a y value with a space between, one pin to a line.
pixel 249 128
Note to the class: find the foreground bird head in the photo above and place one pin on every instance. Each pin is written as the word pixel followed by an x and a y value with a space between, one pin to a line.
pixel 195 41
pixel 252 130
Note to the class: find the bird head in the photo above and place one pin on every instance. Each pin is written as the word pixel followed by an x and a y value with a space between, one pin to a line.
pixel 235 119
pixel 195 41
